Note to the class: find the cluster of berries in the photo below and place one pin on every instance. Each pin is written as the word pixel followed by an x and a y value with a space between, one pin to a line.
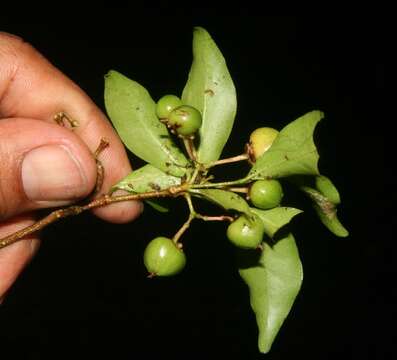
pixel 164 257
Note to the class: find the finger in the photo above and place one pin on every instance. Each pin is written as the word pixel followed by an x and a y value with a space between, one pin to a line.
pixel 31 87
pixel 15 257
pixel 42 165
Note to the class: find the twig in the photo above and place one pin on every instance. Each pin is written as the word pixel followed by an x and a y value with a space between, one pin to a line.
pixel 233 159
pixel 219 185
pixel 76 209
pixel 215 218
pixel 184 227
pixel 205 217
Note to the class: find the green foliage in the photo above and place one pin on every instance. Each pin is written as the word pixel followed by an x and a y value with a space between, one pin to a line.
pixel 273 275
pixel 276 218
pixel 274 281
pixel 293 151
pixel 226 199
pixel 327 188
pixel 326 211
pixel 210 89
pixel 133 114
pixel 145 179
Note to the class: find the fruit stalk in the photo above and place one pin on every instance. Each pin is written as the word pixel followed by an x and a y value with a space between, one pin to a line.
pixel 233 159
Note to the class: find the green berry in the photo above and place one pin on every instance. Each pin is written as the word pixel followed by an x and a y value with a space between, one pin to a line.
pixel 166 104
pixel 261 139
pixel 246 233
pixel 162 257
pixel 185 119
pixel 266 194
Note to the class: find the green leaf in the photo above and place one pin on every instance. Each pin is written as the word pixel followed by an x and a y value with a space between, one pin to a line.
pixel 274 281
pixel 275 219
pixel 327 188
pixel 326 211
pixel 132 112
pixel 292 152
pixel 210 89
pixel 147 178
pixel 157 206
pixel 226 199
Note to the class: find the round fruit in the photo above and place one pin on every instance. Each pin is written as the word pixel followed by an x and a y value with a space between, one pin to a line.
pixel 162 257
pixel 246 233
pixel 261 139
pixel 166 104
pixel 266 194
pixel 185 119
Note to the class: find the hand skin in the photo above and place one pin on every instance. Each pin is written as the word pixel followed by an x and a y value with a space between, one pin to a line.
pixel 42 164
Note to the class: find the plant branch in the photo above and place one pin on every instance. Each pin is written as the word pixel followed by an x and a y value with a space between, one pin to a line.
pixel 195 174
pixel 190 203
pixel 77 209
pixel 220 185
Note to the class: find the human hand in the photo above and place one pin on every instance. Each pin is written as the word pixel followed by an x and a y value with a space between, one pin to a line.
pixel 42 164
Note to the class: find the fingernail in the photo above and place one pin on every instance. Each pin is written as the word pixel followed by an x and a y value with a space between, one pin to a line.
pixel 52 173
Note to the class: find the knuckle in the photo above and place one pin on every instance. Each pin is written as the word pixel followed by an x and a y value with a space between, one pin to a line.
pixel 12 47
pixel 7 37
pixel 10 44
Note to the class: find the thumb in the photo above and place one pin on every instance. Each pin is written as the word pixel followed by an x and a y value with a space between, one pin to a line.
pixel 41 165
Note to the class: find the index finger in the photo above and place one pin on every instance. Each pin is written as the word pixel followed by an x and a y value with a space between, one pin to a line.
pixel 32 87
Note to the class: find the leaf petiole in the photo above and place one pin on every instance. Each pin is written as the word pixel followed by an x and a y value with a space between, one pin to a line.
pixel 243 190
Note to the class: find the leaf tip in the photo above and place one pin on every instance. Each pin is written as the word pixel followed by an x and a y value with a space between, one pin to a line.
pixel 318 113
pixel 343 233
pixel 110 73
pixel 264 347
pixel 199 29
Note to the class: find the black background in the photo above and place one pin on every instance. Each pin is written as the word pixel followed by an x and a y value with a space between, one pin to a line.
pixel 86 292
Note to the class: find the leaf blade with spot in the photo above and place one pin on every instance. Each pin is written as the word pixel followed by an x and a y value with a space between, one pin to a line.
pixel 326 211
pixel 327 188
pixel 210 89
pixel 145 179
pixel 293 152
pixel 132 112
